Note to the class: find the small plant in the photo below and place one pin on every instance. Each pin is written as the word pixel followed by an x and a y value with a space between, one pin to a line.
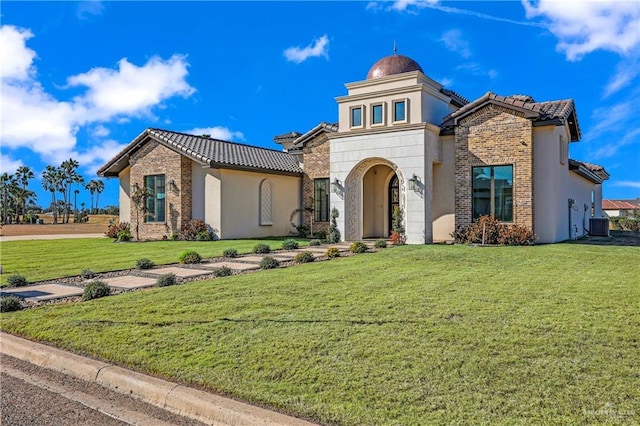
pixel 95 290
pixel 145 263
pixel 197 230
pixel 174 237
pixel 10 304
pixel 269 262
pixel 231 253
pixel 315 242
pixel 303 231
pixel 398 236
pixel 304 257
pixel 16 280
pixel 380 244
pixel 204 236
pixel 358 247
pixel 87 274
pixel 167 280
pixel 261 248
pixel 114 229
pixel 332 252
pixel 333 235
pixel 397 239
pixel 223 271
pixel 290 244
pixel 190 257
pixel 515 235
pixel 320 234
pixel 124 235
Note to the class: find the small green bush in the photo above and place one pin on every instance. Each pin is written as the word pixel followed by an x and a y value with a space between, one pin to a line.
pixel 290 244
pixel 114 229
pixel 197 230
pixel 167 280
pixel 624 223
pixel 358 247
pixel 261 248
pixel 87 274
pixel 145 263
pixel 223 271
pixel 380 244
pixel 332 252
pixel 174 237
pixel 269 262
pixel 304 257
pixel 204 236
pixel 315 242
pixel 230 253
pixel 96 289
pixel 124 235
pixel 16 280
pixel 190 257
pixel 10 304
pixel 320 234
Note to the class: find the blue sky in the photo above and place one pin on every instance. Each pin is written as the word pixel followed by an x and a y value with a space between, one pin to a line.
pixel 83 79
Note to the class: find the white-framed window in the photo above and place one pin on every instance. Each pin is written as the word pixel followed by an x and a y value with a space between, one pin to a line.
pixel 356 117
pixel 400 111
pixel 564 149
pixel 266 203
pixel 377 114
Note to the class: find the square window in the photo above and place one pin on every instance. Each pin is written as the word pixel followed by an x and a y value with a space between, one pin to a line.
pixel 377 114
pixel 493 192
pixel 399 111
pixel 356 117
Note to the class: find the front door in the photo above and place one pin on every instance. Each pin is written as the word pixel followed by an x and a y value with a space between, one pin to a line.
pixel 394 199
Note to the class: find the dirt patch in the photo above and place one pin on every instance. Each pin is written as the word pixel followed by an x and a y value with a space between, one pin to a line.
pixel 97 224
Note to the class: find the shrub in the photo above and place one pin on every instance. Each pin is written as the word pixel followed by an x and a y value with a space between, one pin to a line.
pixel 304 257
pixel 87 274
pixel 190 256
pixel 16 280
pixel 315 242
pixel 223 271
pixel 175 236
pixel 320 234
pixel 380 244
pixel 114 229
pixel 290 244
pixel 269 262
pixel 333 235
pixel 623 223
pixel 488 230
pixel 10 304
pixel 358 247
pixel 332 252
pixel 303 231
pixel 230 253
pixel 514 235
pixel 197 230
pixel 124 235
pixel 261 248
pixel 95 289
pixel 145 263
pixel 398 236
pixel 398 239
pixel 167 280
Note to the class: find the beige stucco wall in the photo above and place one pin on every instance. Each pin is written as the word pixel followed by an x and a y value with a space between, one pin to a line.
pixel 124 193
pixel 240 203
pixel 444 187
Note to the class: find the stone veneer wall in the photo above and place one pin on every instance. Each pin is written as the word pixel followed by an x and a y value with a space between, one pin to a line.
pixel 491 136
pixel 156 159
pixel 316 166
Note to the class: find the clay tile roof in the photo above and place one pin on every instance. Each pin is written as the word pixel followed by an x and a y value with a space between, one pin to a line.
pixel 209 151
pixel 593 172
pixel 323 127
pixel 620 205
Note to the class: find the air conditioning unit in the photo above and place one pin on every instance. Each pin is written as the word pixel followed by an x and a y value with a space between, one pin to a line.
pixel 599 226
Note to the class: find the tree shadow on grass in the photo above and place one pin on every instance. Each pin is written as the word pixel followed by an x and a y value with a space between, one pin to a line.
pixel 616 238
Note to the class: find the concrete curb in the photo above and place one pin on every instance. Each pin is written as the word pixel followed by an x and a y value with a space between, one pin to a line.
pixel 182 400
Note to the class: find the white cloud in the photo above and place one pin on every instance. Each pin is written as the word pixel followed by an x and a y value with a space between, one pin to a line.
pixel 9 165
pixel 34 119
pixel 217 132
pixel 87 9
pixel 627 183
pixel 402 5
pixel 15 58
pixel 476 69
pixel 585 26
pixel 98 154
pixel 626 72
pixel 454 42
pixel 446 81
pixel 319 47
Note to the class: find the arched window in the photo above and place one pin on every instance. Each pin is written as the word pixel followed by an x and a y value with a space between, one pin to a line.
pixel 266 203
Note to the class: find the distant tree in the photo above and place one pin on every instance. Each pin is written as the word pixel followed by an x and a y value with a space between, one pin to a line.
pixel 52 181
pixel 99 189
pixel 23 175
pixel 69 177
pixel 91 187
pixel 8 185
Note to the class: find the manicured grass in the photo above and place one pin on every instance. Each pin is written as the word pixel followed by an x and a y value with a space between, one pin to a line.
pixel 409 335
pixel 46 259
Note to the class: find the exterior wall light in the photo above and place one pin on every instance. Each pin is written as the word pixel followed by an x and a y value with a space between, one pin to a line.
pixel 413 183
pixel 335 186
pixel 135 187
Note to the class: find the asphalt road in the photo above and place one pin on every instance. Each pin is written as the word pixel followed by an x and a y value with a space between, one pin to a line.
pixel 30 395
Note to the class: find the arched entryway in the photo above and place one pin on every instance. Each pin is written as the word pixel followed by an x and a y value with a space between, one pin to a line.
pixel 372 189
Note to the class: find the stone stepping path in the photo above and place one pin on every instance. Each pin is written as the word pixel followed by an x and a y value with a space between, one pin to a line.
pixel 235 266
pixel 44 291
pixel 178 271
pixel 128 282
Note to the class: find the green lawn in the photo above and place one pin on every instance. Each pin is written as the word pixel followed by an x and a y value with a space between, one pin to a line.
pixel 46 259
pixel 411 335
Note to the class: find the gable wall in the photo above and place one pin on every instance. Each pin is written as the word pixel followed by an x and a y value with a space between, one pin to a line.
pixel 491 136
pixel 155 159
pixel 316 166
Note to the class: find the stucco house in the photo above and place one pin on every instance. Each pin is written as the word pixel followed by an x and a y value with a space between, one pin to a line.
pixel 401 139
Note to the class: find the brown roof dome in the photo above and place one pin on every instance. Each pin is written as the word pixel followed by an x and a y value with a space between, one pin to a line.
pixel 391 65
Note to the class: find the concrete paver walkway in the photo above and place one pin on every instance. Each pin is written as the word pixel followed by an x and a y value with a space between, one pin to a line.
pixel 43 291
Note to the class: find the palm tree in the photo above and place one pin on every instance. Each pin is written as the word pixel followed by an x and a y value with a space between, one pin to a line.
pixel 7 186
pixel 51 181
pixel 23 175
pixel 99 189
pixel 69 177
pixel 91 187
